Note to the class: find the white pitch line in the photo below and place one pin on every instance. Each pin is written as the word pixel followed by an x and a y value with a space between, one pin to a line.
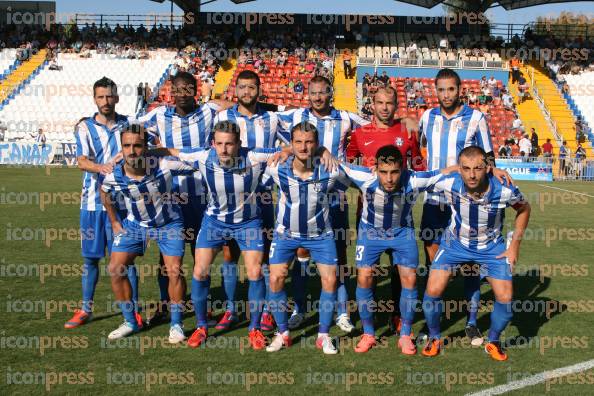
pixel 569 191
pixel 536 379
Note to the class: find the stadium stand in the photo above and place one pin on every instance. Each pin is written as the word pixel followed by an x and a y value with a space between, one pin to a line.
pixel 579 97
pixel 65 95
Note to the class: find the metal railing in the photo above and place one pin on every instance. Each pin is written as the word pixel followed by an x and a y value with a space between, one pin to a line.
pixel 432 63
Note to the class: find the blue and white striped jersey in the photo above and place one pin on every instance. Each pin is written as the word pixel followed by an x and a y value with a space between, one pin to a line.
pixel 334 129
pixel 446 138
pixel 477 224
pixel 232 192
pixel 99 144
pixel 384 210
pixel 182 132
pixel 303 208
pixel 258 131
pixel 151 201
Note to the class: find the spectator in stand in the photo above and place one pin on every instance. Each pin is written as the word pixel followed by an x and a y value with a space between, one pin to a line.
pixel 301 69
pixel 508 101
pixel 281 60
pixel 298 88
pixel 525 147
pixel 346 62
pixel 147 93
pixel 483 82
pixel 443 44
pixel 384 78
pixel 408 84
pixel 411 51
pixel 411 97
pixel 40 138
pixel 367 110
pixel 547 150
pixel 283 82
pixel 534 142
pixel 505 151
pixel 420 101
pixel 514 66
pixel 472 98
pixel 491 82
pixel 496 92
pixel 517 125
pixel 564 155
pixel 580 156
pixel 418 86
pixel 139 98
pixel 522 89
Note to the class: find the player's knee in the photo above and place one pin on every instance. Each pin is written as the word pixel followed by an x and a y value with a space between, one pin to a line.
pixel 277 281
pixel 364 279
pixel 116 270
pixel 328 282
pixel 200 274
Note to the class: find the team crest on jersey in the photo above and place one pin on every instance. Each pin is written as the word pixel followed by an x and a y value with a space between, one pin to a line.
pixel 317 187
pixel 399 141
pixel 259 123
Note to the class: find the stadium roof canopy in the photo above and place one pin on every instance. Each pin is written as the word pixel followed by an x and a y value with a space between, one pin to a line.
pixel 475 5
pixel 485 4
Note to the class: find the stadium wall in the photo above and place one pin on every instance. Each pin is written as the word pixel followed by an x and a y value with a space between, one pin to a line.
pixel 428 72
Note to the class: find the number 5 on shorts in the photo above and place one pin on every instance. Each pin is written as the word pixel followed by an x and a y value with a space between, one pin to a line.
pixel 271 251
pixel 359 255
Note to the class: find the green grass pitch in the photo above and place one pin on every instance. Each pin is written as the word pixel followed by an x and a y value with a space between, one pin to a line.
pixel 40 284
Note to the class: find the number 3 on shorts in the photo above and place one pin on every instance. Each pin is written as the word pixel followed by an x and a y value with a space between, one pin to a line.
pixel 359 249
pixel 271 251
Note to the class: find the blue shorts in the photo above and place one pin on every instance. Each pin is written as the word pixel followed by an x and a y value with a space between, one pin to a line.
pixel 401 242
pixel 169 237
pixel 193 211
pixel 452 254
pixel 215 233
pixel 322 249
pixel 434 221
pixel 96 233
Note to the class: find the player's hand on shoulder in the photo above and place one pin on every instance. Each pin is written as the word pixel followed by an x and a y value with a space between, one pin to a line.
pixel 279 158
pixel 411 125
pixel 106 169
pixel 328 160
pixel 503 176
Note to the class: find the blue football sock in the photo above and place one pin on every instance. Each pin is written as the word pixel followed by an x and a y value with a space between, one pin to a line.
pixel 229 275
pixel 127 308
pixel 200 291
pixel 163 281
pixel 256 295
pixel 266 273
pixel 502 314
pixel 176 311
pixel 278 308
pixel 133 278
pixel 342 298
pixel 432 307
pixel 299 276
pixel 472 292
pixel 408 303
pixel 364 302
pixel 90 276
pixel 327 303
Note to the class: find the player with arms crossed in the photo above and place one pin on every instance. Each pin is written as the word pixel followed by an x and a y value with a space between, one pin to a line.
pixel 387 226
pixel 478 201
pixel 97 145
pixel 446 130
pixel 146 183
pixel 366 141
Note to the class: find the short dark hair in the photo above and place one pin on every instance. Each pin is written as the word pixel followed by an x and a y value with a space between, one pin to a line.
pixel 135 129
pixel 472 151
pixel 248 75
pixel 448 73
pixel 389 154
pixel 105 82
pixel 305 126
pixel 227 127
pixel 187 78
